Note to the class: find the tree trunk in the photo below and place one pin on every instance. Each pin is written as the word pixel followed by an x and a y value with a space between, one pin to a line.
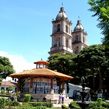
pixel 100 81
pixel 93 82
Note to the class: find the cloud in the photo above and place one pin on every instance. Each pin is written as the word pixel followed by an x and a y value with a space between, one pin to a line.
pixel 19 62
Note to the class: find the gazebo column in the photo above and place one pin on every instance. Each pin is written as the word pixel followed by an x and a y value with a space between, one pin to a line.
pixel 63 88
pixel 52 90
pixel 19 83
pixel 60 86
pixel 31 86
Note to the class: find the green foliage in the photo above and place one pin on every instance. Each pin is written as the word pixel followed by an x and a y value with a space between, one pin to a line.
pixel 40 104
pixel 1 79
pixel 22 84
pixel 101 9
pixel 2 103
pixel 99 103
pixel 10 88
pixel 74 105
pixel 106 105
pixel 15 103
pixel 27 98
pixel 2 91
pixel 63 63
pixel 64 107
pixel 92 61
pixel 26 104
pixel 5 66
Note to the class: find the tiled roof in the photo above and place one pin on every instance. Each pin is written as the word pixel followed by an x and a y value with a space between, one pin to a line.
pixel 40 72
pixel 8 83
pixel 41 61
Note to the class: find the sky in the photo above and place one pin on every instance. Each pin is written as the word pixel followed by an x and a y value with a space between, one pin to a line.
pixel 26 26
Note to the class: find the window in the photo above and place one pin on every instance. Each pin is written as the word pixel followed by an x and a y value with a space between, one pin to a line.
pixel 76 50
pixel 76 38
pixel 66 42
pixel 66 28
pixel 58 27
pixel 58 41
pixel 83 39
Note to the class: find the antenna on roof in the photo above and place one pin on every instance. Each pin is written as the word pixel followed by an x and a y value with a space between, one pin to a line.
pixel 78 17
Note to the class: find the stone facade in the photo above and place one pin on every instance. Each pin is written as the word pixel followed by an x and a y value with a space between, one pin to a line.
pixel 63 39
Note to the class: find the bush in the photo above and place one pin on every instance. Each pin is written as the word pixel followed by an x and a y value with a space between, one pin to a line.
pixel 10 88
pixel 99 103
pixel 25 104
pixel 40 104
pixel 106 105
pixel 64 107
pixel 27 98
pixel 2 103
pixel 93 105
pixel 74 105
pixel 15 103
pixel 2 91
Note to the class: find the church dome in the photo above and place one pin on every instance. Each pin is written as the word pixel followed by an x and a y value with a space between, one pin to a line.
pixel 78 27
pixel 61 14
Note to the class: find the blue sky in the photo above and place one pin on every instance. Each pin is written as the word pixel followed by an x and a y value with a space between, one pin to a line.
pixel 25 28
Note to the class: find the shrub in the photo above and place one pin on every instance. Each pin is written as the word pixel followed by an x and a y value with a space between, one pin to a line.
pixel 25 104
pixel 106 105
pixel 15 103
pixel 2 91
pixel 64 107
pixel 2 103
pixel 93 105
pixel 27 98
pixel 10 88
pixel 40 104
pixel 9 103
pixel 99 103
pixel 74 105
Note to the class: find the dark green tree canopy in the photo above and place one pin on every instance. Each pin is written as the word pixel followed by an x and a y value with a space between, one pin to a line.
pixel 6 68
pixel 62 62
pixel 101 9
pixel 92 60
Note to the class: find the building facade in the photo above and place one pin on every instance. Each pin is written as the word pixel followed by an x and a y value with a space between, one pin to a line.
pixel 63 39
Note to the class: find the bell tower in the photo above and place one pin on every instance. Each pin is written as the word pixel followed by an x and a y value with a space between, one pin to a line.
pixel 61 34
pixel 79 38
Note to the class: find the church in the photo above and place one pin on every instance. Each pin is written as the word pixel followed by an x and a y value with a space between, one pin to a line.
pixel 64 40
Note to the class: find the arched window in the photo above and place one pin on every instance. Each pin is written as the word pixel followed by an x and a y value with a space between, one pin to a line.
pixel 76 50
pixel 76 38
pixel 66 42
pixel 58 41
pixel 58 27
pixel 66 28
pixel 83 39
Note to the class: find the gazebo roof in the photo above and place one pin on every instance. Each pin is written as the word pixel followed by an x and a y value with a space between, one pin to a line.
pixel 41 72
pixel 42 62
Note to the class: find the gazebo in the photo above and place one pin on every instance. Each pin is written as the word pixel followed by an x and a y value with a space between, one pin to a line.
pixel 41 82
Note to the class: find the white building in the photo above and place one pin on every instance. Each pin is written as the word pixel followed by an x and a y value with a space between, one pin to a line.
pixel 6 84
pixel 63 38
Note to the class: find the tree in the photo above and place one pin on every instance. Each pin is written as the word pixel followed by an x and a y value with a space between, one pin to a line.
pixel 6 68
pixel 92 61
pixel 0 81
pixel 62 63
pixel 10 88
pixel 101 9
